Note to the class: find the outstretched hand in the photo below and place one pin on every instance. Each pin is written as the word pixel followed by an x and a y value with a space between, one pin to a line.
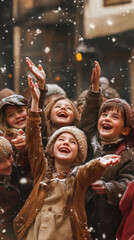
pixel 38 72
pixel 95 77
pixel 108 160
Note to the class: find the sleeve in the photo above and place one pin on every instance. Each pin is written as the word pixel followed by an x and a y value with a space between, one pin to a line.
pixel 89 173
pixel 116 188
pixel 34 143
pixel 88 122
pixel 126 202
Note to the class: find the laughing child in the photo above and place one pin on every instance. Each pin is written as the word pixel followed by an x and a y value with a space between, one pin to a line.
pixel 109 130
pixel 55 208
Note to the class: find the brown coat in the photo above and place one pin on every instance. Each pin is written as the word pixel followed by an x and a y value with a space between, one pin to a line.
pixel 103 211
pixel 75 207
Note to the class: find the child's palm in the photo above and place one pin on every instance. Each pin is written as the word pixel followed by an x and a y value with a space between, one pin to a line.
pixel 109 160
pixel 35 92
pixel 37 71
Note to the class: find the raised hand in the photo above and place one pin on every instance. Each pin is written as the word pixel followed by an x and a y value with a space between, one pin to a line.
pixel 38 72
pixel 95 77
pixel 35 92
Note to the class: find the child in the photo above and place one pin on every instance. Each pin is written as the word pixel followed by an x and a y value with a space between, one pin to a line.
pixel 111 134
pixel 55 208
pixel 126 228
pixel 9 194
pixel 80 103
pixel 13 112
pixel 59 112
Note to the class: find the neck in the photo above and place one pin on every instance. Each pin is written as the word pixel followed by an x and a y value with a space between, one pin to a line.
pixel 110 140
pixel 60 168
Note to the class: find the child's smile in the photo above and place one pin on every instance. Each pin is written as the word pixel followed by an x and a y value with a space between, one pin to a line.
pixel 111 124
pixel 65 149
pixel 62 113
pixel 16 116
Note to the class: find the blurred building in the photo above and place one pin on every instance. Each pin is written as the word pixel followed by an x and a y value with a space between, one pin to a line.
pixel 66 37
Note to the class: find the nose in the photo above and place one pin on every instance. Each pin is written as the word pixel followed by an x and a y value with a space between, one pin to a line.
pixel 63 107
pixel 107 117
pixel 17 115
pixel 66 142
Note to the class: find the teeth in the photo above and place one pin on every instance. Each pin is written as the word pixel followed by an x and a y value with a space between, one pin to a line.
pixel 62 114
pixel 64 150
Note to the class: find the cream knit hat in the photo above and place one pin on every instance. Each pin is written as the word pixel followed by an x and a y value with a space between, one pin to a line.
pixel 5 148
pixel 79 136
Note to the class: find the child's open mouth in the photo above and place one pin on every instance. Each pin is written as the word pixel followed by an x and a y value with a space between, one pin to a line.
pixel 62 114
pixel 64 150
pixel 106 126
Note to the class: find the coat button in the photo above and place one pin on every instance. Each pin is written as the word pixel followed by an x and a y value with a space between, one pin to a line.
pixel 50 209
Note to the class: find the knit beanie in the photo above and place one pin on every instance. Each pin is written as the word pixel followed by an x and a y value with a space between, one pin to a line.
pixel 78 135
pixel 55 89
pixel 48 110
pixel 129 112
pixel 5 148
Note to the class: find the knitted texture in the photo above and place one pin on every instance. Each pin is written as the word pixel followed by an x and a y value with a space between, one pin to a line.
pixel 77 133
pixel 5 148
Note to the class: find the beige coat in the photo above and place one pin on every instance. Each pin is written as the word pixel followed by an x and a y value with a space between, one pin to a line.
pixel 74 205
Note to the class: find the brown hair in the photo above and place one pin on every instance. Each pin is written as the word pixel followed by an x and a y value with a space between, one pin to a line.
pixel 111 106
pixel 48 110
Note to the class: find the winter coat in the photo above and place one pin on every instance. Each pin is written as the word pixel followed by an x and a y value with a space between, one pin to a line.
pixel 103 211
pixel 126 228
pixel 10 204
pixel 81 179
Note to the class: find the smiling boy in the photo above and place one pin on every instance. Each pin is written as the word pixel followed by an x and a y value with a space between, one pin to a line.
pixel 109 128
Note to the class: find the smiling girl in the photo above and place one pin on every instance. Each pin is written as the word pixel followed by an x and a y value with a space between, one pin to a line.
pixel 55 208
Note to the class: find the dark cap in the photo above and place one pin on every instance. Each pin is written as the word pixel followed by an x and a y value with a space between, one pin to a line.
pixel 14 99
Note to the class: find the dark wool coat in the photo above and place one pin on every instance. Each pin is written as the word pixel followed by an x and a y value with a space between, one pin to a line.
pixel 74 207
pixel 126 228
pixel 9 207
pixel 103 211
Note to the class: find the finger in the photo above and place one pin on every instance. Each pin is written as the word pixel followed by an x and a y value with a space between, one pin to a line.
pixel 30 82
pixel 40 67
pixel 21 132
pixel 29 62
pixel 36 85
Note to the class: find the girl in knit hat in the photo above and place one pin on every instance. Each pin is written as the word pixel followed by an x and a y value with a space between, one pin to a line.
pixel 55 208
pixel 109 130
pixel 9 194
pixel 58 112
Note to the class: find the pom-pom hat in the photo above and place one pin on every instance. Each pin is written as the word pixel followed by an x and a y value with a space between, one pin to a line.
pixel 5 148
pixel 79 136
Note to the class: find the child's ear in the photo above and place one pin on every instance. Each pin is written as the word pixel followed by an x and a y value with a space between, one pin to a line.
pixel 126 131
pixel 77 160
